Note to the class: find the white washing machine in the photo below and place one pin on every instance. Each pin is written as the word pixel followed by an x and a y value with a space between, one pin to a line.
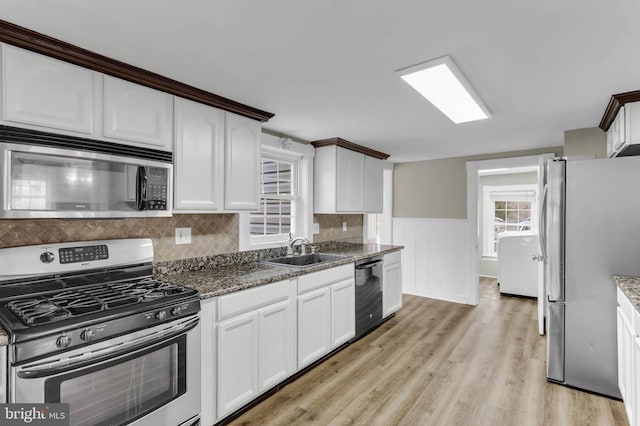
pixel 517 271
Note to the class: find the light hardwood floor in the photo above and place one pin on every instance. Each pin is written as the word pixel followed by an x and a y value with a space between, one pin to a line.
pixel 440 363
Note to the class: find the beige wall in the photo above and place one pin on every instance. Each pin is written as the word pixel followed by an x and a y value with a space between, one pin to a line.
pixel 438 188
pixel 488 266
pixel 585 142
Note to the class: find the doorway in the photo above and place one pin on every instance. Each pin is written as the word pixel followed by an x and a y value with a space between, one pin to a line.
pixel 479 249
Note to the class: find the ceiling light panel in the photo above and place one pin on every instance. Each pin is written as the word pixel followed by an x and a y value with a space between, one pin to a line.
pixel 442 83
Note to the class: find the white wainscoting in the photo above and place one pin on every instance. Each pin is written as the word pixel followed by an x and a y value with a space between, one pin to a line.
pixel 434 259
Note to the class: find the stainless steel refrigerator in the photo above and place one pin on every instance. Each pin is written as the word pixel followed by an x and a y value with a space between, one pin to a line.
pixel 590 231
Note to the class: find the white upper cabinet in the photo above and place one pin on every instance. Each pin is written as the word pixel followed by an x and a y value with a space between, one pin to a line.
pixel 373 169
pixel 198 156
pixel 346 181
pixel 41 91
pixel 350 181
pixel 242 163
pixel 623 136
pixel 137 114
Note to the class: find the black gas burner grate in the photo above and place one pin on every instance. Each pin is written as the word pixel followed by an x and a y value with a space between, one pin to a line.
pixel 72 303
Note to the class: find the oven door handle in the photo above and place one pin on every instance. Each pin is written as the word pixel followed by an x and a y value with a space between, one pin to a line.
pixel 61 365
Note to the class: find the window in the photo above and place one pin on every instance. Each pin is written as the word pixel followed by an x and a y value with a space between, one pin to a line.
pixel 507 209
pixel 278 200
pixel 286 196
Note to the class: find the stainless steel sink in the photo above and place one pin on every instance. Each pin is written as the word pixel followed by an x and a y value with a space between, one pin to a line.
pixel 304 260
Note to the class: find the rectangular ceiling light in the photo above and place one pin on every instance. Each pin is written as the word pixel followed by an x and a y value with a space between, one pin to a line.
pixel 442 83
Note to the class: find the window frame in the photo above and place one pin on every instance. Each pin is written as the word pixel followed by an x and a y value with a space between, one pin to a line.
pixel 488 211
pixel 292 197
pixel 301 155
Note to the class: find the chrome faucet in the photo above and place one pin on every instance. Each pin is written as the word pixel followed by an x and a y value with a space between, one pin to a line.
pixel 292 241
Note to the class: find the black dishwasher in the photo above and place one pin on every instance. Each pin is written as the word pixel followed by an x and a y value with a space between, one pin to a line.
pixel 368 295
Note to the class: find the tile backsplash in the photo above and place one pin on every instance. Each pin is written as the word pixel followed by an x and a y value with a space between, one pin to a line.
pixel 331 227
pixel 211 234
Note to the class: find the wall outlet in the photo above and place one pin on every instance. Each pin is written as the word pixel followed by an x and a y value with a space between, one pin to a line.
pixel 344 226
pixel 316 228
pixel 183 235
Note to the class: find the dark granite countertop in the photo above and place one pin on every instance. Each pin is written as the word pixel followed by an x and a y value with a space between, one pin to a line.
pixel 630 286
pixel 217 281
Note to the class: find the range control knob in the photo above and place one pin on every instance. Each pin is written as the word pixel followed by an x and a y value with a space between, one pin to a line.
pixel 47 257
pixel 161 315
pixel 87 335
pixel 63 341
pixel 176 311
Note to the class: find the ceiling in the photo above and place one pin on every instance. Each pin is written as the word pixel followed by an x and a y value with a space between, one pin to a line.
pixel 326 68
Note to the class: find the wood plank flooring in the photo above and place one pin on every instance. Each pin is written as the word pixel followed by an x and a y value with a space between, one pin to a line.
pixel 440 363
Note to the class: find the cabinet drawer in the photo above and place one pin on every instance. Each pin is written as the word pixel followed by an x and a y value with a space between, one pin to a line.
pixel 625 305
pixel 253 298
pixel 324 278
pixel 391 258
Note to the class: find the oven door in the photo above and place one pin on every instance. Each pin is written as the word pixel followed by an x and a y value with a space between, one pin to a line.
pixel 151 377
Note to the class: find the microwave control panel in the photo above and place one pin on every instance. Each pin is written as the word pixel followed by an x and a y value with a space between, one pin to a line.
pixel 156 189
pixel 83 254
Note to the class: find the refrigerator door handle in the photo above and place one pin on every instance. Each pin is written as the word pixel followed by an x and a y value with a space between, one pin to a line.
pixel 543 225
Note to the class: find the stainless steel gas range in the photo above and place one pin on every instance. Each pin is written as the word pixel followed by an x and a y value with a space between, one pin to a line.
pixel 90 326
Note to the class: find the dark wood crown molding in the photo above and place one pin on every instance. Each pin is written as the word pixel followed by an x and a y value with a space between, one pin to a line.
pixel 615 103
pixel 40 43
pixel 352 146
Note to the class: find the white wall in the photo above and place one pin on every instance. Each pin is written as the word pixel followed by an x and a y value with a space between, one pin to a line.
pixel 434 262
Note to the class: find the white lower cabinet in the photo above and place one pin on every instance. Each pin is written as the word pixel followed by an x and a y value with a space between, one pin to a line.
pixel 314 322
pixel 237 362
pixel 326 312
pixel 276 345
pixel 628 356
pixel 255 344
pixel 343 312
pixel 391 283
pixel 261 336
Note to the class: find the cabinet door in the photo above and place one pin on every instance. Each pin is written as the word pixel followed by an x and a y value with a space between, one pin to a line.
pixel 636 379
pixel 372 185
pixel 198 156
pixel 349 181
pixel 621 361
pixel 314 326
pixel 242 164
pixel 208 362
pixel 629 379
pixel 137 113
pixel 276 344
pixel 391 289
pixel 43 91
pixel 237 362
pixel 343 312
